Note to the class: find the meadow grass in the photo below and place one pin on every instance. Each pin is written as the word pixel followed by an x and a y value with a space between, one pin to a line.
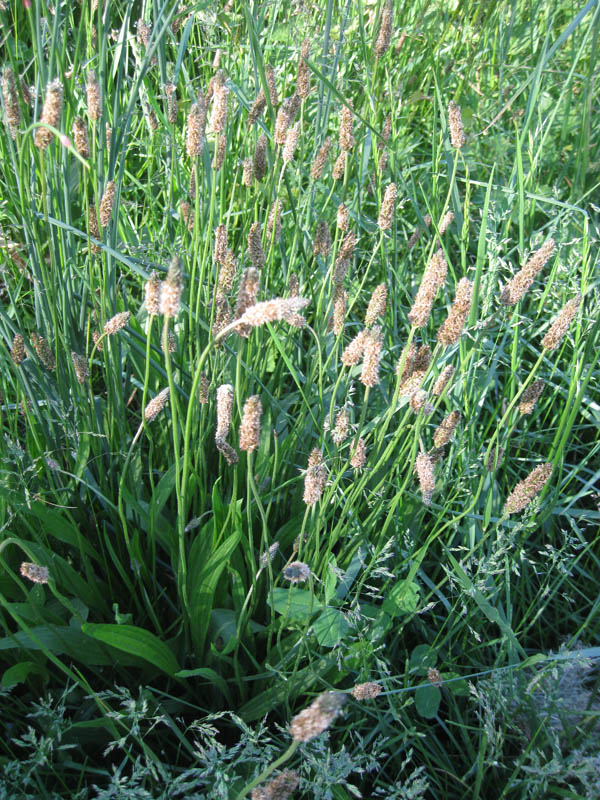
pixel 300 343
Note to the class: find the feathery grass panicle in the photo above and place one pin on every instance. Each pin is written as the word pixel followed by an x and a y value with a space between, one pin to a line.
pixel 81 138
pixel 275 310
pixel 303 77
pixel 221 244
pixel 17 352
pixel 353 352
pixel 340 301
pixel 455 123
pixel 315 478
pixel 51 112
pixel 247 173
pixel 530 397
pixel 34 572
pixel 386 214
pixel 424 467
pixel 296 572
pixel 279 788
pixel 274 222
pixel 517 286
pixel 560 325
pixel 359 455
pixel 152 292
pixel 346 135
pixel 11 102
pixel 255 248
pixel 171 290
pixel 433 279
pixel 318 164
pixel 322 242
pixel 340 432
pixel 250 424
pixel 272 85
pixel 43 351
pixel 224 410
pixel 156 405
pixel 317 717
pixel 339 167
pixel 366 691
pixel 377 304
pixel 80 366
pixel 452 328
pixel 93 96
pixel 385 30
pixel 445 430
pixel 106 204
pixel 442 380
pixel 259 161
pixel 526 490
pixel 117 323
pixel 195 128
pixel 291 142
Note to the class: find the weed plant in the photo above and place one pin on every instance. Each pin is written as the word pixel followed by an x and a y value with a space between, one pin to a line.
pixel 299 371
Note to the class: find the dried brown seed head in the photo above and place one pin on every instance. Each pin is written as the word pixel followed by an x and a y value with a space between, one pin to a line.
pixel 457 131
pixel 259 161
pixel 426 478
pixel 195 128
pixel 340 432
pixel 255 248
pixel 346 137
pixel 340 300
pixel 156 405
pixel 559 327
pixel 517 286
pixel 322 242
pixel 386 214
pixel 221 244
pixel 359 455
pixel 272 85
pixel 377 303
pixel 366 691
pixel 224 410
pixel 530 397
pixel 117 323
pixel 250 424
pixel 434 277
pixel 342 217
pixel 34 572
pixel 17 352
pixel 279 788
pixel 354 351
pixel 291 142
pixel 51 112
pixel 43 350
pixel 372 356
pixel 385 30
pixel 81 138
pixel 339 167
pixel 452 328
pixel 93 96
pixel 317 717
pixel 320 160
pixel 80 366
pixel 445 429
pixel 106 204
pixel 11 102
pixel 315 478
pixel 525 491
pixel 442 380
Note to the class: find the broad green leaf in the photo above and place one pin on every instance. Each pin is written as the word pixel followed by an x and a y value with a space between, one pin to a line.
pixel 402 599
pixel 423 657
pixel 208 674
pixel 19 673
pixel 295 603
pixel 136 641
pixel 427 701
pixel 330 627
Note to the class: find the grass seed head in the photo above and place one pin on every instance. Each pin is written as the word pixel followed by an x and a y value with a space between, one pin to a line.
pixel 377 303
pixel 442 380
pixel 227 271
pixel 353 352
pixel 385 30
pixel 152 293
pixel 339 167
pixel 445 222
pixel 279 788
pixel 221 244
pixel 171 290
pixel 34 572
pixel 248 173
pixel 44 351
pixel 315 719
pixel 495 458
pixel 195 128
pixel 274 222
pixel 255 248
pixel 106 204
pixel 315 478
pixel 318 164
pixel 246 297
pixel 517 286
pixel 282 123
pixel 51 112
pixel 11 102
pixel 366 691
pixel 372 356
pixel 275 310
pixel 297 572
pixel 322 242
pixel 80 366
pixel 342 217
pixel 224 410
pixel 303 77
pixel 457 131
pixel 342 427
pixel 293 285
pixel 424 468
pixel 81 138
pixel 257 107
pixel 340 301
pixel 434 277
pixel 359 455
pixel 250 424
pixel 17 352
pixel 259 161
pixel 219 155
pixel 172 105
pixel 223 314
pixel 417 232
pixel 525 491
pixel 346 136
pixel 452 328
pixel 445 429
pixel 117 322
pixel 530 397
pixel 559 327
pixel 219 109
pixel 227 451
pixel 291 142
pixel 203 388
pixel 185 210
pixel 156 405
pixel 386 214
pixel 272 85
pixel 93 96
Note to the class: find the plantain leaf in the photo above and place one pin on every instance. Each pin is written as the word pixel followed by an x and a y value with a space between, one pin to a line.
pixel 136 641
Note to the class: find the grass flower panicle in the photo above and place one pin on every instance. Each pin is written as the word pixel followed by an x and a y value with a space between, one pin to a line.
pixel 17 352
pixel 275 310
pixel 526 490
pixel 171 290
pixel 303 77
pixel 152 292
pixel 156 405
pixel 384 36
pixel 318 164
pixel 455 123
pixel 315 719
pixel 93 97
pixel 221 244
pixel 315 478
pixel 340 300
pixel 106 204
pixel 445 429
pixel 530 396
pixel 81 138
pixel 366 691
pixel 386 214
pixel 560 325
pixel 224 410
pixel 442 380
pixel 445 222
pixel 424 467
pixel 195 128
pixel 51 112
pixel 117 323
pixel 296 572
pixel 517 286
pixel 279 788
pixel 433 279
pixel 259 161
pixel 342 217
pixel 44 351
pixel 322 242
pixel 272 85
pixel 11 102
pixel 359 455
pixel 250 424
pixel 353 352
pixel 452 327
pixel 340 432
pixel 372 356
pixel 377 304
pixel 339 167
pixel 346 135
pixel 34 572
pixel 80 366
pixel 255 248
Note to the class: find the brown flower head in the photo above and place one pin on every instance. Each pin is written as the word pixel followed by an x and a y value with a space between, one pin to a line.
pixel 530 397
pixel 385 30
pixel 156 405
pixel 196 124
pixel 11 102
pixel 346 138
pixel 317 717
pixel 457 131
pixel 366 691
pixel 445 429
pixel 525 491
pixel 255 248
pixel 93 96
pixel 51 112
pixel 517 286
pixel 320 160
pixel 315 478
pixel 559 327
pixel 433 279
pixel 250 425
pixel 424 468
pixel 34 572
pixel 259 162
pixel 452 327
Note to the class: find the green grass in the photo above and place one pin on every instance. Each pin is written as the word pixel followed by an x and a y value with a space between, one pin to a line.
pixel 164 657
